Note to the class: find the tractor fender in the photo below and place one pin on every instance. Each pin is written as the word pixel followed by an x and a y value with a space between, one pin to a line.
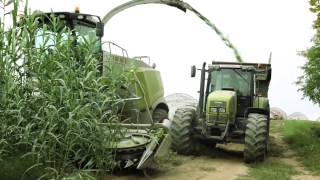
pixel 258 111
pixel 261 102
pixel 260 106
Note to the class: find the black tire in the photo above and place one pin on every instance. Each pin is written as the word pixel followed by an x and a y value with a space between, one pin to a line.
pixel 209 144
pixel 256 137
pixel 159 115
pixel 181 131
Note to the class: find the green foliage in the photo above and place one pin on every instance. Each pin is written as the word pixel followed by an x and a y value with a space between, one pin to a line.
pixel 270 170
pixel 79 176
pixel 309 82
pixel 15 167
pixel 52 99
pixel 304 138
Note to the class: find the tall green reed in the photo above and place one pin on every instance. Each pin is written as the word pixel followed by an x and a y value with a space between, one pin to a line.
pixel 52 98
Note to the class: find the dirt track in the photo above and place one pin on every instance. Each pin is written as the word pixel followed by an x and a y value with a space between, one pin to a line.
pixel 199 168
pixel 220 163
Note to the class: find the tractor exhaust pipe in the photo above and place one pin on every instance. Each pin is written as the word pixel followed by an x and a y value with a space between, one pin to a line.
pixel 201 93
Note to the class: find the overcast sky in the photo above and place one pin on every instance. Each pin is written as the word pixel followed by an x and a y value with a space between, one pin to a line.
pixel 175 40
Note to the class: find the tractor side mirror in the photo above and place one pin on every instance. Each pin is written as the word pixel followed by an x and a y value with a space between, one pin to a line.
pixel 269 74
pixel 193 71
pixel 99 29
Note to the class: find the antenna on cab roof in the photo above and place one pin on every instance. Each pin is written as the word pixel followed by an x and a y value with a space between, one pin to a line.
pixel 270 57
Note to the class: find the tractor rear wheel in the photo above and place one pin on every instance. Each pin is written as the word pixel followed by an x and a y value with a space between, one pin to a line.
pixel 256 137
pixel 181 131
pixel 159 115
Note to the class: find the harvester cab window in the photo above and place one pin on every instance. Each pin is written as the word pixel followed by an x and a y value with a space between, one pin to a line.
pixel 83 27
pixel 46 38
pixel 233 79
pixel 88 34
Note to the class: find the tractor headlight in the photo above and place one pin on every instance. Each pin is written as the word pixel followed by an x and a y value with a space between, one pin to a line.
pixel 216 109
pixel 217 106
pixel 222 110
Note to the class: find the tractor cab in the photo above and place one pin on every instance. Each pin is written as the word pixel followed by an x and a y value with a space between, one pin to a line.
pixel 231 78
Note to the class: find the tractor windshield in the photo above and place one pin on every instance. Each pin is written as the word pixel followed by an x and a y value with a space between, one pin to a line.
pixel 236 79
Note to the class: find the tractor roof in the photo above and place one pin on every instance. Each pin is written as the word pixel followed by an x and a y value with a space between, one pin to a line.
pixel 236 65
pixel 262 70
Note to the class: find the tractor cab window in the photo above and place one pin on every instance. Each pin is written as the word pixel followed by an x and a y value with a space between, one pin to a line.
pixel 233 79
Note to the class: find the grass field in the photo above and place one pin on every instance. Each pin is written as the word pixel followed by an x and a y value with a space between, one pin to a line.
pixel 269 170
pixel 304 138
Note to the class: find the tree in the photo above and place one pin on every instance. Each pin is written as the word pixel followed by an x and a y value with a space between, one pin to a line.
pixel 309 82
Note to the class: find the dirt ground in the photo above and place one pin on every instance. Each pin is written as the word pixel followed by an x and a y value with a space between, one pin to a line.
pixel 224 162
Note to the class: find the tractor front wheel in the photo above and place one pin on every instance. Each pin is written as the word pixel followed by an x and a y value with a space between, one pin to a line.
pixel 181 131
pixel 256 137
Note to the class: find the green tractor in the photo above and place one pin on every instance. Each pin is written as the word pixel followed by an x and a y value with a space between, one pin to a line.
pixel 233 108
pixel 143 110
